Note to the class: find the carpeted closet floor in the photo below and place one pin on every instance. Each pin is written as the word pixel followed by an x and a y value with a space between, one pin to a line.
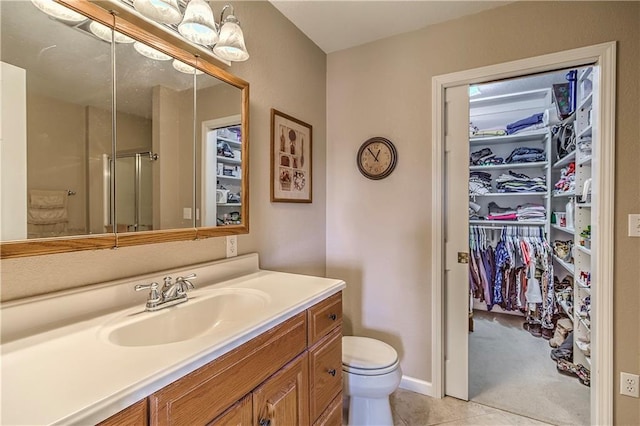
pixel 511 370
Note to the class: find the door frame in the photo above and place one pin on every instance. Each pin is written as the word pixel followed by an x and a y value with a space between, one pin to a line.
pixel 603 55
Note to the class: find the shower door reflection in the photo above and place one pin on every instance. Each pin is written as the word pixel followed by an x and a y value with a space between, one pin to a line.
pixel 134 194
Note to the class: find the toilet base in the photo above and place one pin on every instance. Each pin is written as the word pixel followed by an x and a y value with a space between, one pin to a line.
pixel 370 411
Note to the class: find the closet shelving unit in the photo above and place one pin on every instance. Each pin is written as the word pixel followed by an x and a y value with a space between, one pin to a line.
pixel 229 172
pixel 495 113
pixel 584 123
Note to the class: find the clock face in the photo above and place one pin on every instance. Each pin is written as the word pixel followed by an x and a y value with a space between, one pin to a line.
pixel 377 158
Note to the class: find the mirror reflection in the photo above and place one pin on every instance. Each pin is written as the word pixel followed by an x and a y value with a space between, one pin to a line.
pixel 154 140
pixel 56 124
pixel 219 148
pixel 70 166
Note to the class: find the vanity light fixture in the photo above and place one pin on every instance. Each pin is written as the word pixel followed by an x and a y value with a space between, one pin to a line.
pixel 162 11
pixel 103 32
pixel 198 24
pixel 185 68
pixel 58 11
pixel 150 52
pixel 231 45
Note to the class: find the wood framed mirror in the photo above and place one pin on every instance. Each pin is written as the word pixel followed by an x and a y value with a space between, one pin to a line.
pixel 108 147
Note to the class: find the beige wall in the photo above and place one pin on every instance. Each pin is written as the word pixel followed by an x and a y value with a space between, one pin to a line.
pixel 56 135
pixel 378 233
pixel 288 237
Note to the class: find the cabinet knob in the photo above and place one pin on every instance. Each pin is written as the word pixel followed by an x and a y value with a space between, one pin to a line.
pixel 332 372
pixel 333 317
pixel 264 422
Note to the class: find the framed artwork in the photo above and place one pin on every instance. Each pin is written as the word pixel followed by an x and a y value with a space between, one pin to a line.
pixel 291 142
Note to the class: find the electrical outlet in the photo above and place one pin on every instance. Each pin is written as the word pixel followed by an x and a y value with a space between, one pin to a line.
pixel 232 246
pixel 629 384
pixel 186 213
pixel 634 225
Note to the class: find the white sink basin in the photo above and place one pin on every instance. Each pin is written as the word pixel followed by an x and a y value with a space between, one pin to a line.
pixel 204 313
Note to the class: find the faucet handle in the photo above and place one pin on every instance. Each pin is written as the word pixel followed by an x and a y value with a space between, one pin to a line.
pixel 185 281
pixel 154 295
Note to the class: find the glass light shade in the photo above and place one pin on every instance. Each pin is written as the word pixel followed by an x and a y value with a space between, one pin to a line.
pixel 150 52
pixel 198 24
pixel 104 32
pixel 231 44
pixel 185 68
pixel 58 11
pixel 163 11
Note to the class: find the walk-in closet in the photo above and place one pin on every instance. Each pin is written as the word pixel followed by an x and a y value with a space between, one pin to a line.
pixel 531 170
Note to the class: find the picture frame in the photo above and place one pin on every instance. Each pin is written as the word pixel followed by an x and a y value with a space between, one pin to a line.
pixel 291 159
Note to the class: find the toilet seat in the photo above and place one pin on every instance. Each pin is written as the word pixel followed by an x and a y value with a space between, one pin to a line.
pixel 367 357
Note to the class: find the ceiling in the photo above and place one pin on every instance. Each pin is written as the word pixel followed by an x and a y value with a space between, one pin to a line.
pixel 335 25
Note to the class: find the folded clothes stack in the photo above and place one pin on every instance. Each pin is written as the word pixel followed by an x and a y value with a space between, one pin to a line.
pixel 475 132
pixel 532 122
pixel 531 212
pixel 479 183
pixel 526 155
pixel 484 157
pixel 501 213
pixel 519 182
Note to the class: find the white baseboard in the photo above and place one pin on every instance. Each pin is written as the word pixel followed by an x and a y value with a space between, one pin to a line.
pixel 416 385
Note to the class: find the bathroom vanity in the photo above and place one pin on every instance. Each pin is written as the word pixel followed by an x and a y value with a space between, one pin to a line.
pixel 248 347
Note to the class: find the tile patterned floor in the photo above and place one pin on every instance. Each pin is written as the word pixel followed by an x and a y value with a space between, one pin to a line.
pixel 412 409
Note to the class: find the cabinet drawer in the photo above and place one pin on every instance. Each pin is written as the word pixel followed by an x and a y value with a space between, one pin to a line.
pixel 200 396
pixel 134 415
pixel 324 317
pixel 332 416
pixel 325 361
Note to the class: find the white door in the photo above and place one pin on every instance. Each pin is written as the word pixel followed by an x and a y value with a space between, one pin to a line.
pixel 456 290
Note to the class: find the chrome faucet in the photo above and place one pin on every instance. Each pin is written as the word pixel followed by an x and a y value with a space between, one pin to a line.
pixel 171 293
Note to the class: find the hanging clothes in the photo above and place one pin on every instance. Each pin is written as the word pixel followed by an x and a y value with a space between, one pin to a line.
pixel 517 275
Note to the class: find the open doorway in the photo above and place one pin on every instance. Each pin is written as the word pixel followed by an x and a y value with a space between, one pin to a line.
pixel 449 355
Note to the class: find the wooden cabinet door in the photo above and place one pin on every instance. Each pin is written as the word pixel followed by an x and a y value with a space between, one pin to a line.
pixel 332 416
pixel 241 414
pixel 325 367
pixel 283 400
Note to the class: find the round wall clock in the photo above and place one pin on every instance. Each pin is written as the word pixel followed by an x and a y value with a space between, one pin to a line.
pixel 377 158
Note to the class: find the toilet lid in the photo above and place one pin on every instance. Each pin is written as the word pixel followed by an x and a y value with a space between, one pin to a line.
pixel 363 353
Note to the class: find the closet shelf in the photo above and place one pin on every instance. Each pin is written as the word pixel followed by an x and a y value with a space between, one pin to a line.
pixel 563 229
pixel 506 194
pixel 586 102
pixel 501 223
pixel 228 177
pixel 586 131
pixel 228 160
pixel 568 266
pixel 565 160
pixel 585 74
pixel 540 164
pixel 533 136
pixel 583 249
pixel 229 204
pixel 585 161
pixel 583 286
pixel 583 205
pixel 228 140
pixel 586 325
pixel 564 194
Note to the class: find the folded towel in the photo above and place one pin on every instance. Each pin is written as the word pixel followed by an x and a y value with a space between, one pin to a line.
pixel 47 199
pixel 46 216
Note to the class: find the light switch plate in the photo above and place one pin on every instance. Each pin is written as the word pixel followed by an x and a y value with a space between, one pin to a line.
pixel 634 225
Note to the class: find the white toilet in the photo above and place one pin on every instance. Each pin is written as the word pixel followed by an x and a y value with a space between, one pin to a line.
pixel 370 373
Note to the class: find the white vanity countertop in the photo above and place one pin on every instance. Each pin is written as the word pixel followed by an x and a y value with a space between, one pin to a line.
pixel 73 374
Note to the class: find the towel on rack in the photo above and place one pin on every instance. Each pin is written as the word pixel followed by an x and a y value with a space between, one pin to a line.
pixel 47 214
pixel 40 199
